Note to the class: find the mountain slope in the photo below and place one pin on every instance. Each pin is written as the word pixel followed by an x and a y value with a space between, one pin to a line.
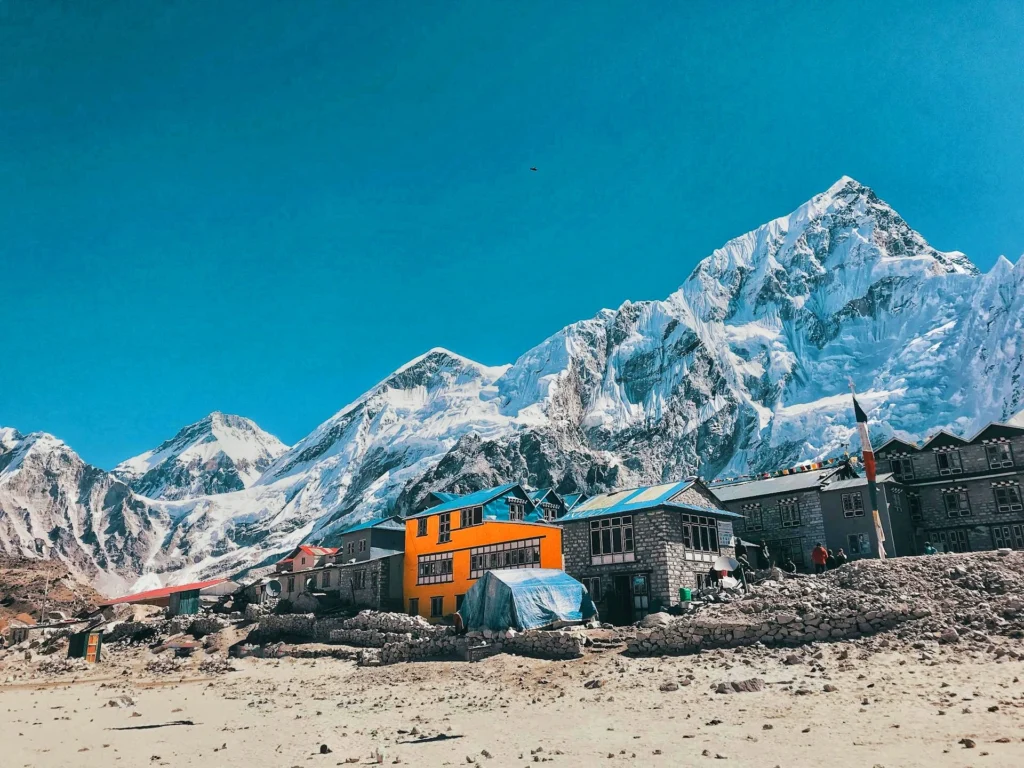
pixel 218 454
pixel 54 505
pixel 744 368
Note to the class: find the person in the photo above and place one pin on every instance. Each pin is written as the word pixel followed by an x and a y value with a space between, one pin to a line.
pixel 841 558
pixel 764 561
pixel 830 561
pixel 819 556
pixel 929 549
pixel 789 566
pixel 713 577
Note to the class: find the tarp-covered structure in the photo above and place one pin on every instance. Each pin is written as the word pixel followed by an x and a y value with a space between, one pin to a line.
pixel 527 598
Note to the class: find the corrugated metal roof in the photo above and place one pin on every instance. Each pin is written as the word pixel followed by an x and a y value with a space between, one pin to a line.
pixel 538 495
pixel 475 499
pixel 631 500
pixel 570 499
pixel 162 592
pixel 798 481
pixel 382 523
pixel 855 482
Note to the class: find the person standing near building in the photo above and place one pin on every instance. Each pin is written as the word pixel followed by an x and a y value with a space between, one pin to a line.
pixel 929 549
pixel 819 556
pixel 841 558
pixel 764 561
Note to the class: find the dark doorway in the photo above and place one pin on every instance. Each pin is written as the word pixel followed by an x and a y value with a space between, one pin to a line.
pixel 620 601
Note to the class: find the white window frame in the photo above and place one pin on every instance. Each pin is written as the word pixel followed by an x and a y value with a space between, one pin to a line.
pixel 954 462
pixel 1009 505
pixel 962 507
pixel 471 516
pixel 603 531
pixel 700 534
pixel 793 506
pixel 444 527
pixel 516 510
pixel 853 504
pixel 752 512
pixel 1006 460
pixel 904 463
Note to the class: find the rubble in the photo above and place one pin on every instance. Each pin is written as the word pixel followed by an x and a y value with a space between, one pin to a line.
pixel 946 597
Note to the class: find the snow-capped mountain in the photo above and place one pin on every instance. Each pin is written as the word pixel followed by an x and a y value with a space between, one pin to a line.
pixel 744 368
pixel 54 505
pixel 218 454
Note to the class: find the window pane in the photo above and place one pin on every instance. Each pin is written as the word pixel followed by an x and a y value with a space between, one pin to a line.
pixel 616 539
pixel 595 542
pixel 606 541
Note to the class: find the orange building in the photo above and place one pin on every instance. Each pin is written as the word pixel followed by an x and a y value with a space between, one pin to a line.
pixel 449 546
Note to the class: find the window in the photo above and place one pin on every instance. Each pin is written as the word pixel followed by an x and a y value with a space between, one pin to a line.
pixel 291 583
pixel 999 455
pixel 421 527
pixel 472 516
pixel 853 505
pixel 362 545
pixel 1011 536
pixel 952 541
pixel 373 581
pixel 902 468
pixel 351 547
pixel 858 544
pixel 303 561
pixel 458 602
pixel 700 533
pixel 753 519
pixel 789 512
pixel 414 606
pixel 359 579
pixel 444 528
pixel 611 540
pixel 593 586
pixel 524 553
pixel 436 607
pixel 550 511
pixel 516 509
pixel 1008 497
pixel 949 462
pixel 956 502
pixel 434 569
pixel 325 579
pixel 916 511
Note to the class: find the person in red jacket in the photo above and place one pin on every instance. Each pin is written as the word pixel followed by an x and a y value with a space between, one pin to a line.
pixel 819 556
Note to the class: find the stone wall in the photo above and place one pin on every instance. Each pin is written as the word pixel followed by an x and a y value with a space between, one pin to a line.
pixel 687 635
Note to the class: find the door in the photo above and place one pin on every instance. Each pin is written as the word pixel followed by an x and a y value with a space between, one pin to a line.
pixel 641 596
pixel 92 648
pixel 620 601
pixel 955 539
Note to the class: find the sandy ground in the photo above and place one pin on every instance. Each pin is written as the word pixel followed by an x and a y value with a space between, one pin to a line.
pixel 889 708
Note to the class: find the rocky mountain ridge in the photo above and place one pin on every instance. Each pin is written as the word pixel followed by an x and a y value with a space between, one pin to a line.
pixel 744 368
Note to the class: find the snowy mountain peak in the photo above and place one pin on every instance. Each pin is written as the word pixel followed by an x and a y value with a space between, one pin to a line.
pixel 219 453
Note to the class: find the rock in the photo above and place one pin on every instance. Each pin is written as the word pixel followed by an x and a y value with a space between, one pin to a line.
pixel 654 620
pixel 325 750
pixel 792 660
pixel 829 688
pixel 968 743
pixel 949 636
pixel 593 684
pixel 669 685
pixel 752 685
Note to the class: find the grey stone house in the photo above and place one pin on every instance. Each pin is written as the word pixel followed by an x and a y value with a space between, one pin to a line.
pixel 373 583
pixel 380 535
pixel 785 511
pixel 635 549
pixel 962 494
pixel 846 513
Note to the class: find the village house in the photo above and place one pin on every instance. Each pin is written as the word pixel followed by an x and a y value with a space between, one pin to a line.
pixel 453 543
pixel 552 505
pixel 370 539
pixel 797 508
pixel 961 494
pixel 304 557
pixel 635 550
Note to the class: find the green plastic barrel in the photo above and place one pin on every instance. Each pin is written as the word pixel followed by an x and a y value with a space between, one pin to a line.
pixel 685 594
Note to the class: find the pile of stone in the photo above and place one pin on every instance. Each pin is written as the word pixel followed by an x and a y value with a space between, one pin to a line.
pixel 373 629
pixel 543 644
pixel 979 592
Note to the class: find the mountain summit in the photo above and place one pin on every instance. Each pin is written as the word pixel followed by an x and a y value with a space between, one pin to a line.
pixel 744 368
pixel 218 454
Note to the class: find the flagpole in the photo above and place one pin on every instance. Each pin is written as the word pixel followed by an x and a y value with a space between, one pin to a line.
pixel 869 470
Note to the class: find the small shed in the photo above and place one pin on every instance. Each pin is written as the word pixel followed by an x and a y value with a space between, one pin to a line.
pixel 180 600
pixel 86 644
pixel 528 598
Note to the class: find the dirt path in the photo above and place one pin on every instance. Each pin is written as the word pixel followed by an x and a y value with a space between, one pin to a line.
pixel 888 709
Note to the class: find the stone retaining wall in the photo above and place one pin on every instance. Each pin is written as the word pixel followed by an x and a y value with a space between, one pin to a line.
pixel 687 635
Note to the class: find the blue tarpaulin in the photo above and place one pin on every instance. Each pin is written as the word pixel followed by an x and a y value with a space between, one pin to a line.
pixel 528 598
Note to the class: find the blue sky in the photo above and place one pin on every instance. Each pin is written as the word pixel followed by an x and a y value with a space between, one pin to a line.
pixel 264 208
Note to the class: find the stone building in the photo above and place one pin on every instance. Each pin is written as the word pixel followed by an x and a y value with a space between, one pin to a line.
pixel 374 583
pixel 785 511
pixel 846 512
pixel 635 549
pixel 962 494
pixel 370 539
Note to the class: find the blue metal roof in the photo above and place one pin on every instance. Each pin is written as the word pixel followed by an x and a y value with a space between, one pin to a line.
pixel 444 496
pixel 475 499
pixel 537 496
pixel 639 500
pixel 384 523
pixel 570 499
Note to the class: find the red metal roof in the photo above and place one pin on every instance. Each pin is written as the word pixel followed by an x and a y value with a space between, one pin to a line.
pixel 154 594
